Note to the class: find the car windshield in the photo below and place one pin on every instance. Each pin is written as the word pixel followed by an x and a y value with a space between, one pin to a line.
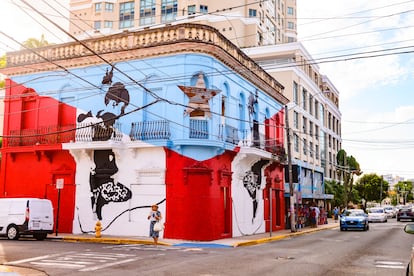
pixel 388 208
pixel 354 213
pixel 376 210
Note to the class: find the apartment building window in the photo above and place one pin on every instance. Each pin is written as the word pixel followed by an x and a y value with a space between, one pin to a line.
pixel 98 7
pixel 295 93
pixel 310 104
pixel 310 128
pixel 291 39
pixel 97 25
pixel 126 15
pixel 204 9
pixel 191 9
pixel 296 120
pixel 147 12
pixel 329 141
pixel 304 98
pixel 109 7
pixel 290 11
pixel 316 109
pixel 322 114
pixel 316 132
pixel 310 149
pixel 259 38
pixel 168 10
pixel 329 121
pixel 296 143
pixel 305 148
pixel 291 25
pixel 304 125
pixel 316 152
pixel 252 13
pixel 108 24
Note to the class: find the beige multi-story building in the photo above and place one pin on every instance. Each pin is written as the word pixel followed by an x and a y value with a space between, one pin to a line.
pixel 313 111
pixel 245 23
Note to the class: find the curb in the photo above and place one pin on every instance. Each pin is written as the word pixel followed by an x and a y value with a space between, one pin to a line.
pixel 75 239
pixel 110 240
pixel 281 237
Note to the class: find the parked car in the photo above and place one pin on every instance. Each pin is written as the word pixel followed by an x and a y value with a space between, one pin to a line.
pixel 390 211
pixel 405 213
pixel 354 219
pixel 409 228
pixel 377 214
pixel 26 216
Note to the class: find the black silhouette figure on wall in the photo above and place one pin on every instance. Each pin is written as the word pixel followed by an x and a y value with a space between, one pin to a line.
pixel 102 185
pixel 252 180
pixel 116 100
pixel 107 79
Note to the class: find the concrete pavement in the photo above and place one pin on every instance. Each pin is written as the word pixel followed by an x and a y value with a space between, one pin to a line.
pixel 231 242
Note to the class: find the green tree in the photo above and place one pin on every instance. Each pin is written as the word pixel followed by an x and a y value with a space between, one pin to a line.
pixel 348 168
pixel 369 188
pixel 404 190
pixel 335 188
pixel 35 43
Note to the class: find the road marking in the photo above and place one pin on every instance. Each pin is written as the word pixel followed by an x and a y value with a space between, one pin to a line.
pixel 108 265
pixel 389 264
pixel 37 258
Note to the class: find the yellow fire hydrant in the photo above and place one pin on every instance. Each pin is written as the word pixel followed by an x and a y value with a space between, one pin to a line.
pixel 98 229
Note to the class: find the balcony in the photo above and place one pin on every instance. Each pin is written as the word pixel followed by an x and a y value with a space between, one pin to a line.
pixel 41 136
pixel 199 129
pixel 150 130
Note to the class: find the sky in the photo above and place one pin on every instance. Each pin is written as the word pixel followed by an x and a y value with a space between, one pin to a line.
pixel 365 47
pixel 359 45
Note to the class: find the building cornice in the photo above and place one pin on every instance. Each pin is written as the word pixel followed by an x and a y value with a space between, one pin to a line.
pixel 168 40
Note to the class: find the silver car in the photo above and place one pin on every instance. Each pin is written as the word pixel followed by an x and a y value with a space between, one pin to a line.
pixel 377 214
pixel 390 211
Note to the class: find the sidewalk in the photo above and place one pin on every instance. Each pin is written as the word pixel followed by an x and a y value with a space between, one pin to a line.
pixel 230 242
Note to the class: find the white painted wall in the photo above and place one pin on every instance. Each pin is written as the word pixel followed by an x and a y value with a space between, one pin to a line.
pixel 243 222
pixel 142 170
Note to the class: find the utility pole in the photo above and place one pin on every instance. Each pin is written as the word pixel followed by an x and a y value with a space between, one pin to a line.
pixel 291 187
pixel 381 191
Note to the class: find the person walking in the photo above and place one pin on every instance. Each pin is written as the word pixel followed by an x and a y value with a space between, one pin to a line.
pixel 336 213
pixel 154 216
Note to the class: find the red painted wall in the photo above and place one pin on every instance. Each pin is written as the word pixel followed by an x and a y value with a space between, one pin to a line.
pixel 274 193
pixel 32 159
pixel 196 209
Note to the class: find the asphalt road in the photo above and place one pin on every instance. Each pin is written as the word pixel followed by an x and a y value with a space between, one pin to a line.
pixel 383 250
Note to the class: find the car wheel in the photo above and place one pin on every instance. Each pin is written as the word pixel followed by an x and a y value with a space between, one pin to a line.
pixel 342 229
pixel 12 232
pixel 40 236
pixel 398 219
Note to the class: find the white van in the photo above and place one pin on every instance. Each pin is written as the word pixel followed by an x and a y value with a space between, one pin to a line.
pixel 26 216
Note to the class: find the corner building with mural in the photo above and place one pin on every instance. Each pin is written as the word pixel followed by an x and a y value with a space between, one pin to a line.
pixel 176 116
